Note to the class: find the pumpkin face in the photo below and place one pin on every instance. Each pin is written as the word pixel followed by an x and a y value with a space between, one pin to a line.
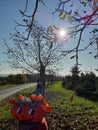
pixel 23 113
pixel 32 109
pixel 29 113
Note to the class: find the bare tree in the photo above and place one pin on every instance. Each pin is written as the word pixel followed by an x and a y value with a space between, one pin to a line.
pixel 37 53
pixel 80 17
pixel 32 42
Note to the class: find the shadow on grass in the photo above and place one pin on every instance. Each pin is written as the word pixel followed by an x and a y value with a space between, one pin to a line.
pixel 92 97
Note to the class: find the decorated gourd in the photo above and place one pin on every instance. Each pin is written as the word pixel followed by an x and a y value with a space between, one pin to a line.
pixel 30 109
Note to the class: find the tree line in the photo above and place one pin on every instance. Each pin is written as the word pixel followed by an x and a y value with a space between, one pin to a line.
pixel 84 84
pixel 26 78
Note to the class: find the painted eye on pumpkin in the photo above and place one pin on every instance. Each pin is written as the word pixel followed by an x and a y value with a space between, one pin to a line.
pixel 31 112
pixel 19 110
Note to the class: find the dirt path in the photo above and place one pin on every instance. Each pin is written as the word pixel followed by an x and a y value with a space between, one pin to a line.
pixel 7 92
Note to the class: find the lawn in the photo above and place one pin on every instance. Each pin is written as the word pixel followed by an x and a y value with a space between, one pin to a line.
pixel 67 113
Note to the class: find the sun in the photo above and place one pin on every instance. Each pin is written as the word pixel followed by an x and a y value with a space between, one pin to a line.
pixel 62 33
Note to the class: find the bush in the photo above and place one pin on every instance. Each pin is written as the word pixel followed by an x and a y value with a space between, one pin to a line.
pixel 89 86
pixel 16 79
pixel 80 91
pixel 85 89
pixel 2 81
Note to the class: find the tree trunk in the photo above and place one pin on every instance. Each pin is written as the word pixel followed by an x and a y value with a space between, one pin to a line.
pixel 42 78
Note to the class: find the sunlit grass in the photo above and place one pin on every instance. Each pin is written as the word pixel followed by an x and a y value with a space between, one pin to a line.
pixel 79 113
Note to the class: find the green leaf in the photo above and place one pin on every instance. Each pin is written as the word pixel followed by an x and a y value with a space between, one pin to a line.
pixel 64 17
pixel 60 13
pixel 69 19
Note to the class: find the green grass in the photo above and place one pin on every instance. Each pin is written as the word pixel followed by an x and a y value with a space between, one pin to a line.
pixel 80 114
pixel 7 86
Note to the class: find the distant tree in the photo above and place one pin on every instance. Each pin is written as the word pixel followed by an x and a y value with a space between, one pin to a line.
pixel 2 80
pixel 96 70
pixel 75 71
pixel 67 82
pixel 16 79
pixel 75 76
pixel 20 79
pixel 82 77
pixel 72 80
pixel 91 77
pixel 87 84
pixel 32 77
pixel 84 84
pixel 10 79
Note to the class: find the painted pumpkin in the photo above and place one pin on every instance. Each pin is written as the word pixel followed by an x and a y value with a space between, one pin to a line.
pixel 30 113
pixel 14 110
pixel 31 109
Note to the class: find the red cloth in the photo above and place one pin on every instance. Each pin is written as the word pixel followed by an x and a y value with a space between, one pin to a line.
pixel 39 126
pixel 42 126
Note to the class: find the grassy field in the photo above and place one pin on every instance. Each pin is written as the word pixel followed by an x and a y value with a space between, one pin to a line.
pixel 67 114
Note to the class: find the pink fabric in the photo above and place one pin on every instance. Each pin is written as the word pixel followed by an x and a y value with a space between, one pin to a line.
pixel 42 126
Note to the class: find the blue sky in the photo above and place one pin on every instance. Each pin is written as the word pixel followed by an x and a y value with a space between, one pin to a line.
pixel 9 11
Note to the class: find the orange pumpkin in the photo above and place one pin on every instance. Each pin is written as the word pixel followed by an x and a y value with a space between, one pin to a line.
pixel 29 113
pixel 14 108
pixel 20 97
pixel 33 96
pixel 30 110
